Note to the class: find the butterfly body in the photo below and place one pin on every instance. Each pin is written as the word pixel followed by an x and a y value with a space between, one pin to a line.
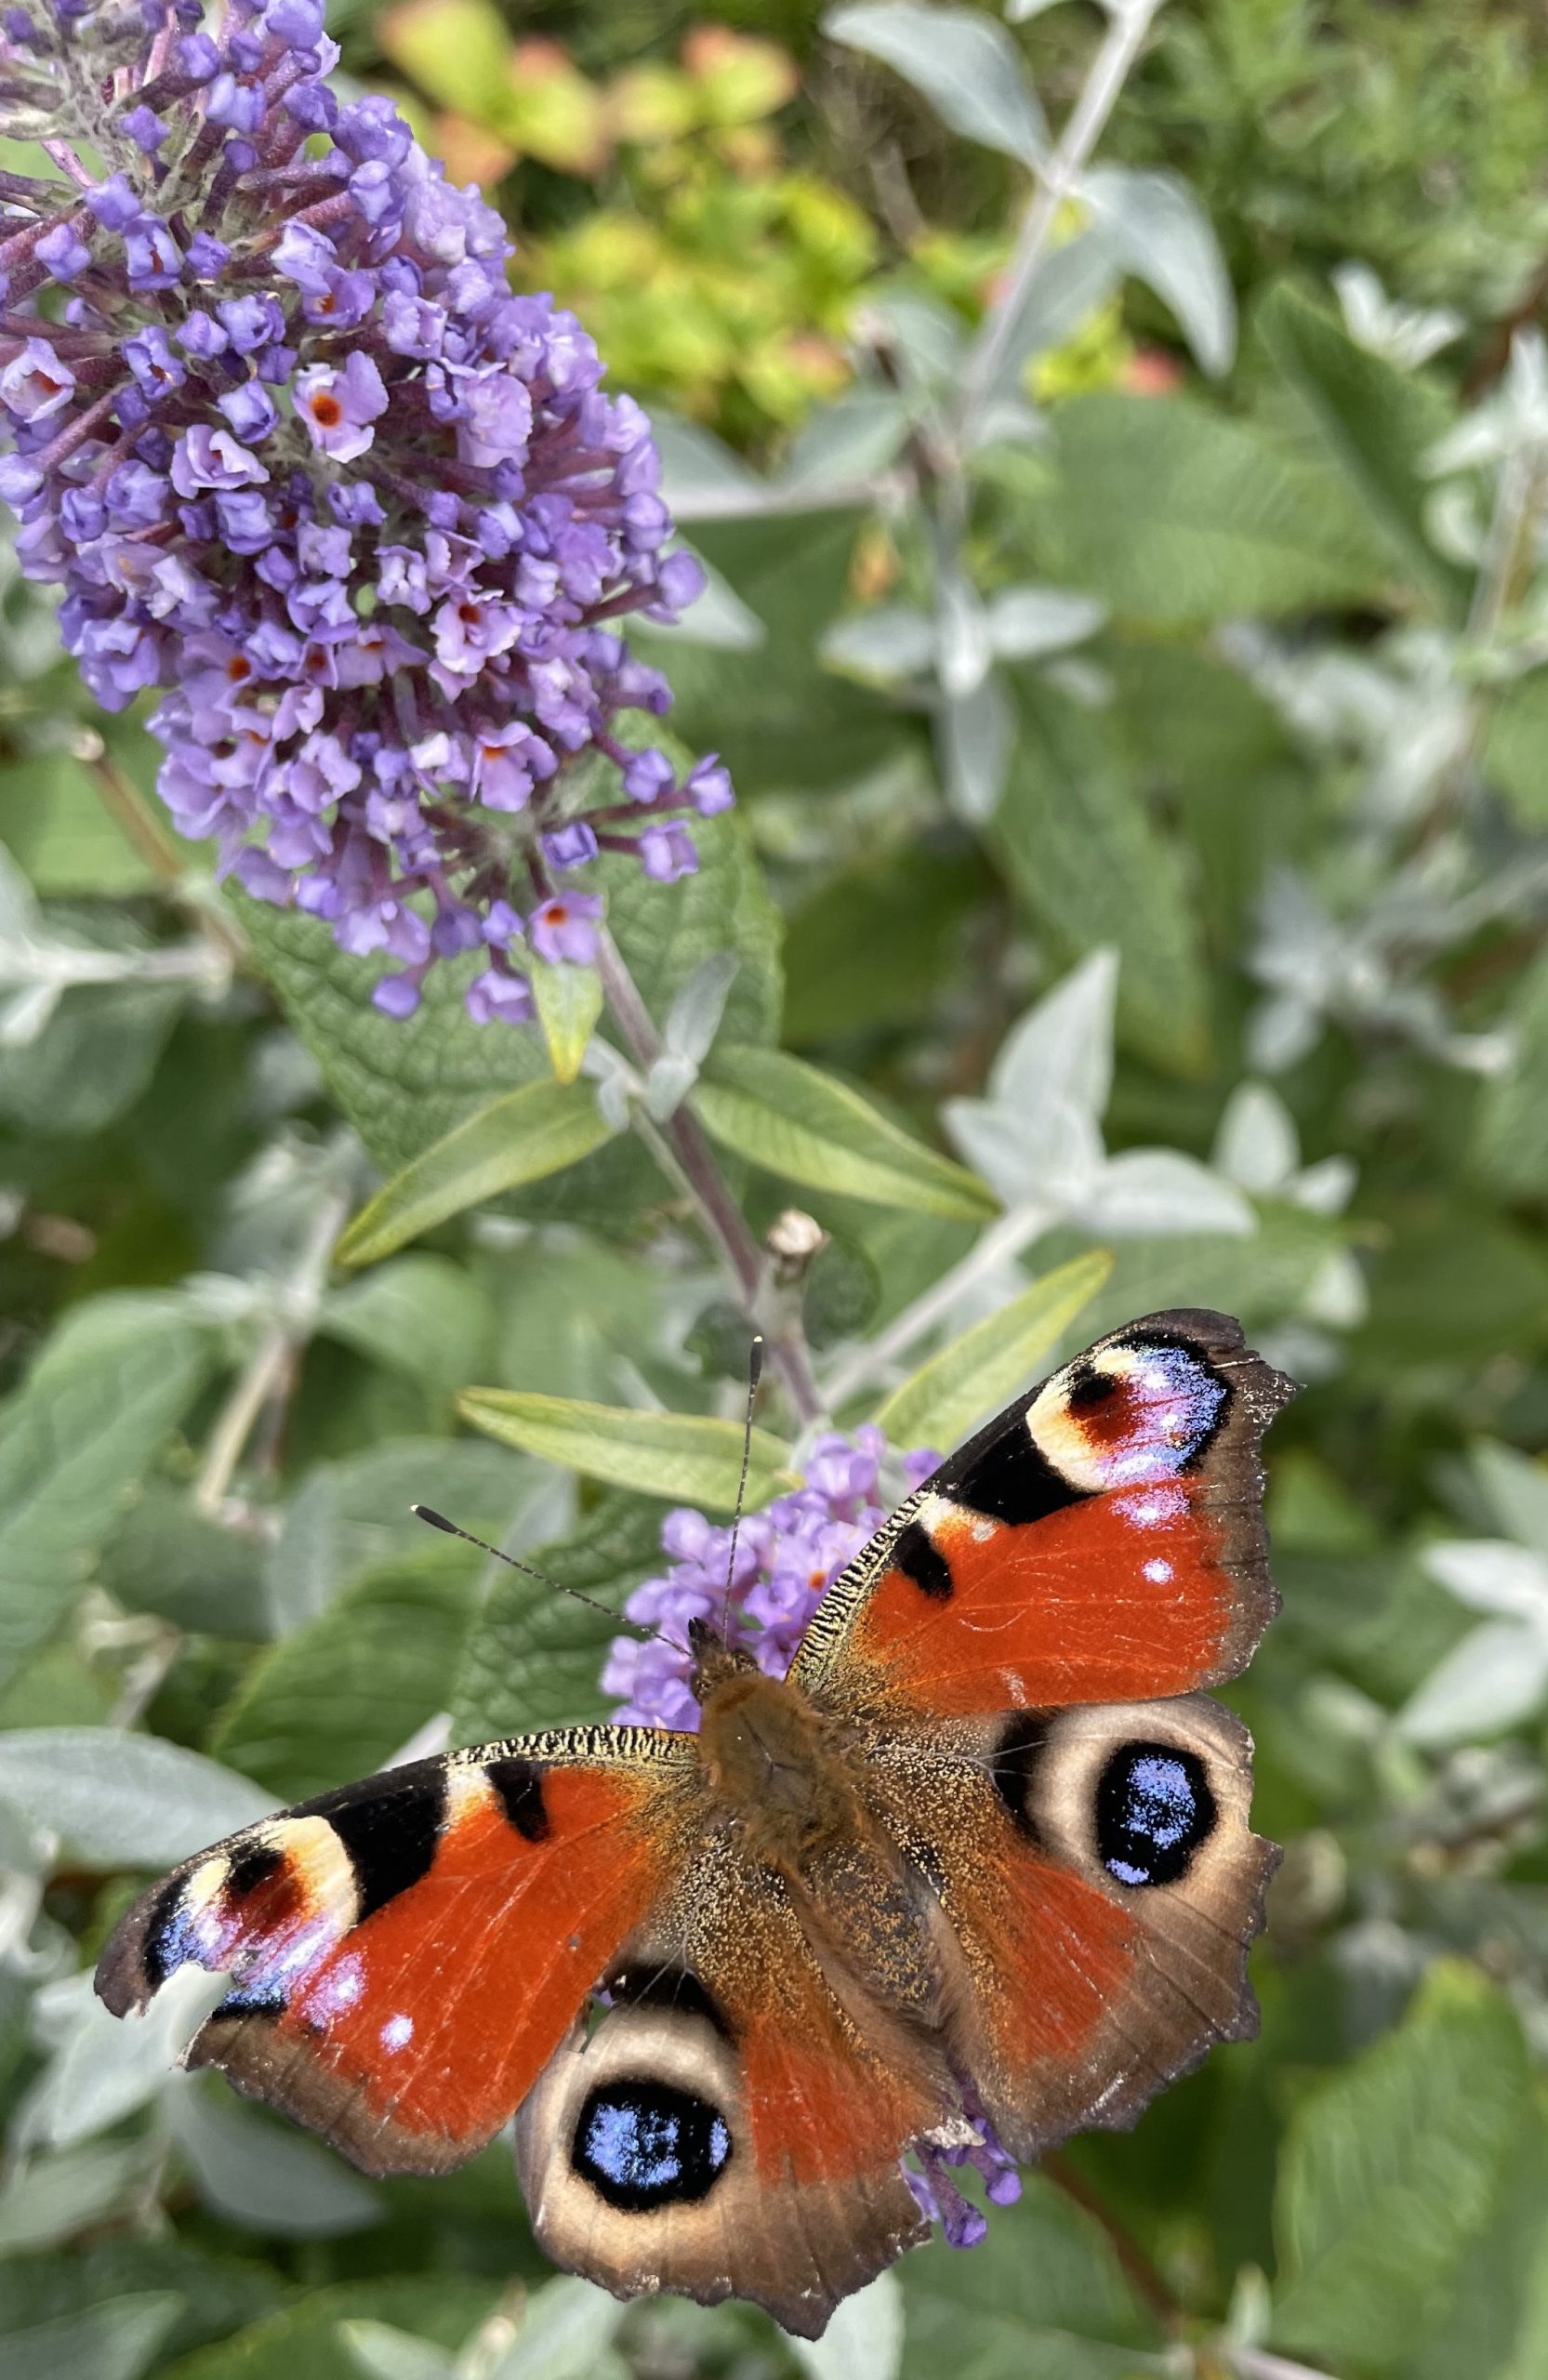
pixel 978 1871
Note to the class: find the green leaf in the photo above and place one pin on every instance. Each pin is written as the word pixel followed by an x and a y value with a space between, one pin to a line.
pixel 218 2293
pixel 91 1417
pixel 1376 424
pixel 1176 513
pixel 521 1137
pixel 111 2342
pixel 534 1656
pixel 1389 2171
pixel 1510 1151
pixel 1044 2296
pixel 302 2342
pixel 338 1698
pixel 383 2353
pixel 405 1084
pixel 964 63
pixel 419 1314
pixel 1496 2324
pixel 1514 744
pixel 569 1002
pixel 122 1799
pixel 690 1457
pixel 974 1374
pixel 92 1059
pixel 796 1121
pixel 1088 866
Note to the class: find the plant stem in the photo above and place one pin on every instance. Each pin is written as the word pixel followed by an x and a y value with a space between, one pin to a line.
pixel 267 1370
pixel 1148 2282
pixel 1257 2363
pixel 768 499
pixel 723 1218
pixel 1057 184
pixel 141 827
pixel 1000 1245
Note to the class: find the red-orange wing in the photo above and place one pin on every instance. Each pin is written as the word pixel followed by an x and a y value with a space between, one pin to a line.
pixel 407 1953
pixel 1101 1541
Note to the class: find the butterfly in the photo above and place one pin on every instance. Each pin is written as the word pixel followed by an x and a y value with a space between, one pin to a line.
pixel 982 1859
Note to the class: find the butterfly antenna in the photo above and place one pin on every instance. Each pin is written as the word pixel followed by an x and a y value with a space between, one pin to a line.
pixel 754 1373
pixel 439 1520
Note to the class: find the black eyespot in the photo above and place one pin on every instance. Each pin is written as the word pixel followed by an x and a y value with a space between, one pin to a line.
pixel 1017 1759
pixel 643 2145
pixel 1090 1388
pixel 1154 1809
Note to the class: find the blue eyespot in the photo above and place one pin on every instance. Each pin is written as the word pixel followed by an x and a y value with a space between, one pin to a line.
pixel 643 2144
pixel 1154 1809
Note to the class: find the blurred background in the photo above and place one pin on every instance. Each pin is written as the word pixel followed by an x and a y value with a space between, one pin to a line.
pixel 1151 646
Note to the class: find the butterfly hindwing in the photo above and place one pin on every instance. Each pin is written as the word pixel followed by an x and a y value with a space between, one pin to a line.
pixel 732 2126
pixel 405 1953
pixel 1100 1883
pixel 1101 1541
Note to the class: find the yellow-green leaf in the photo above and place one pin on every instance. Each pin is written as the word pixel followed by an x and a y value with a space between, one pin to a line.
pixel 688 1456
pixel 520 1137
pixel 569 1002
pixel 937 1405
pixel 796 1122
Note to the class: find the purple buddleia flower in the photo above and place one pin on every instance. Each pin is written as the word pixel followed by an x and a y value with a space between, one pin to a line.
pixel 785 1558
pixel 302 458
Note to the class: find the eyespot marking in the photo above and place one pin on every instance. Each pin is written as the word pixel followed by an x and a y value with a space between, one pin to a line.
pixel 643 2145
pixel 678 1989
pixel 1154 1809
pixel 1016 1760
pixel 919 1558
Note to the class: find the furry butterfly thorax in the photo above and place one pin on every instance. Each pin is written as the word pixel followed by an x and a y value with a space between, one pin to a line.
pixel 978 1869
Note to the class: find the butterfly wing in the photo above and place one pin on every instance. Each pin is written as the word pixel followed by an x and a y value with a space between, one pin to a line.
pixel 406 1952
pixel 1101 1541
pixel 733 2126
pixel 1021 1647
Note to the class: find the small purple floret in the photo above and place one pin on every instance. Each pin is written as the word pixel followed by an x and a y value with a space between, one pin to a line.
pixel 298 455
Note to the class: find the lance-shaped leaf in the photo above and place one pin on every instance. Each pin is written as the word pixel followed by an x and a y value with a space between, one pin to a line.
pixel 691 1458
pixel 520 1137
pixel 122 1799
pixel 796 1121
pixel 964 63
pixel 937 1405
pixel 569 1002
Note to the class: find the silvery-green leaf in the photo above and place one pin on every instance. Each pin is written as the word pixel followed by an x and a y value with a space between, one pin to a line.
pixel 668 1085
pixel 47 2199
pixel 1028 621
pixel 973 735
pixel 1326 1187
pixel 1070 284
pixel 103 2067
pixel 694 1016
pixel 111 2341
pixel 696 464
pixel 847 441
pixel 123 1800
pixel 1257 1143
pixel 963 62
pixel 892 641
pixel 964 649
pixel 1336 1294
pixel 1063 1048
pixel 1407 335
pixel 565 2333
pixel 1517 1489
pixel 1281 1032
pixel 1495 1677
pixel 926 334
pixel 718 617
pixel 1019 12
pixel 1161 235
pixel 26 1012
pixel 382 2353
pixel 1161 1190
pixel 1490 1574
pixel 255 2172
pixel 1048 1156
pixel 864 2341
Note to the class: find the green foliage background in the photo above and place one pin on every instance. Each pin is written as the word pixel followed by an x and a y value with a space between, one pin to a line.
pixel 1199 694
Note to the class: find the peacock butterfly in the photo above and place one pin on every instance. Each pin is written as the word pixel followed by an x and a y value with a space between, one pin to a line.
pixel 982 1859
